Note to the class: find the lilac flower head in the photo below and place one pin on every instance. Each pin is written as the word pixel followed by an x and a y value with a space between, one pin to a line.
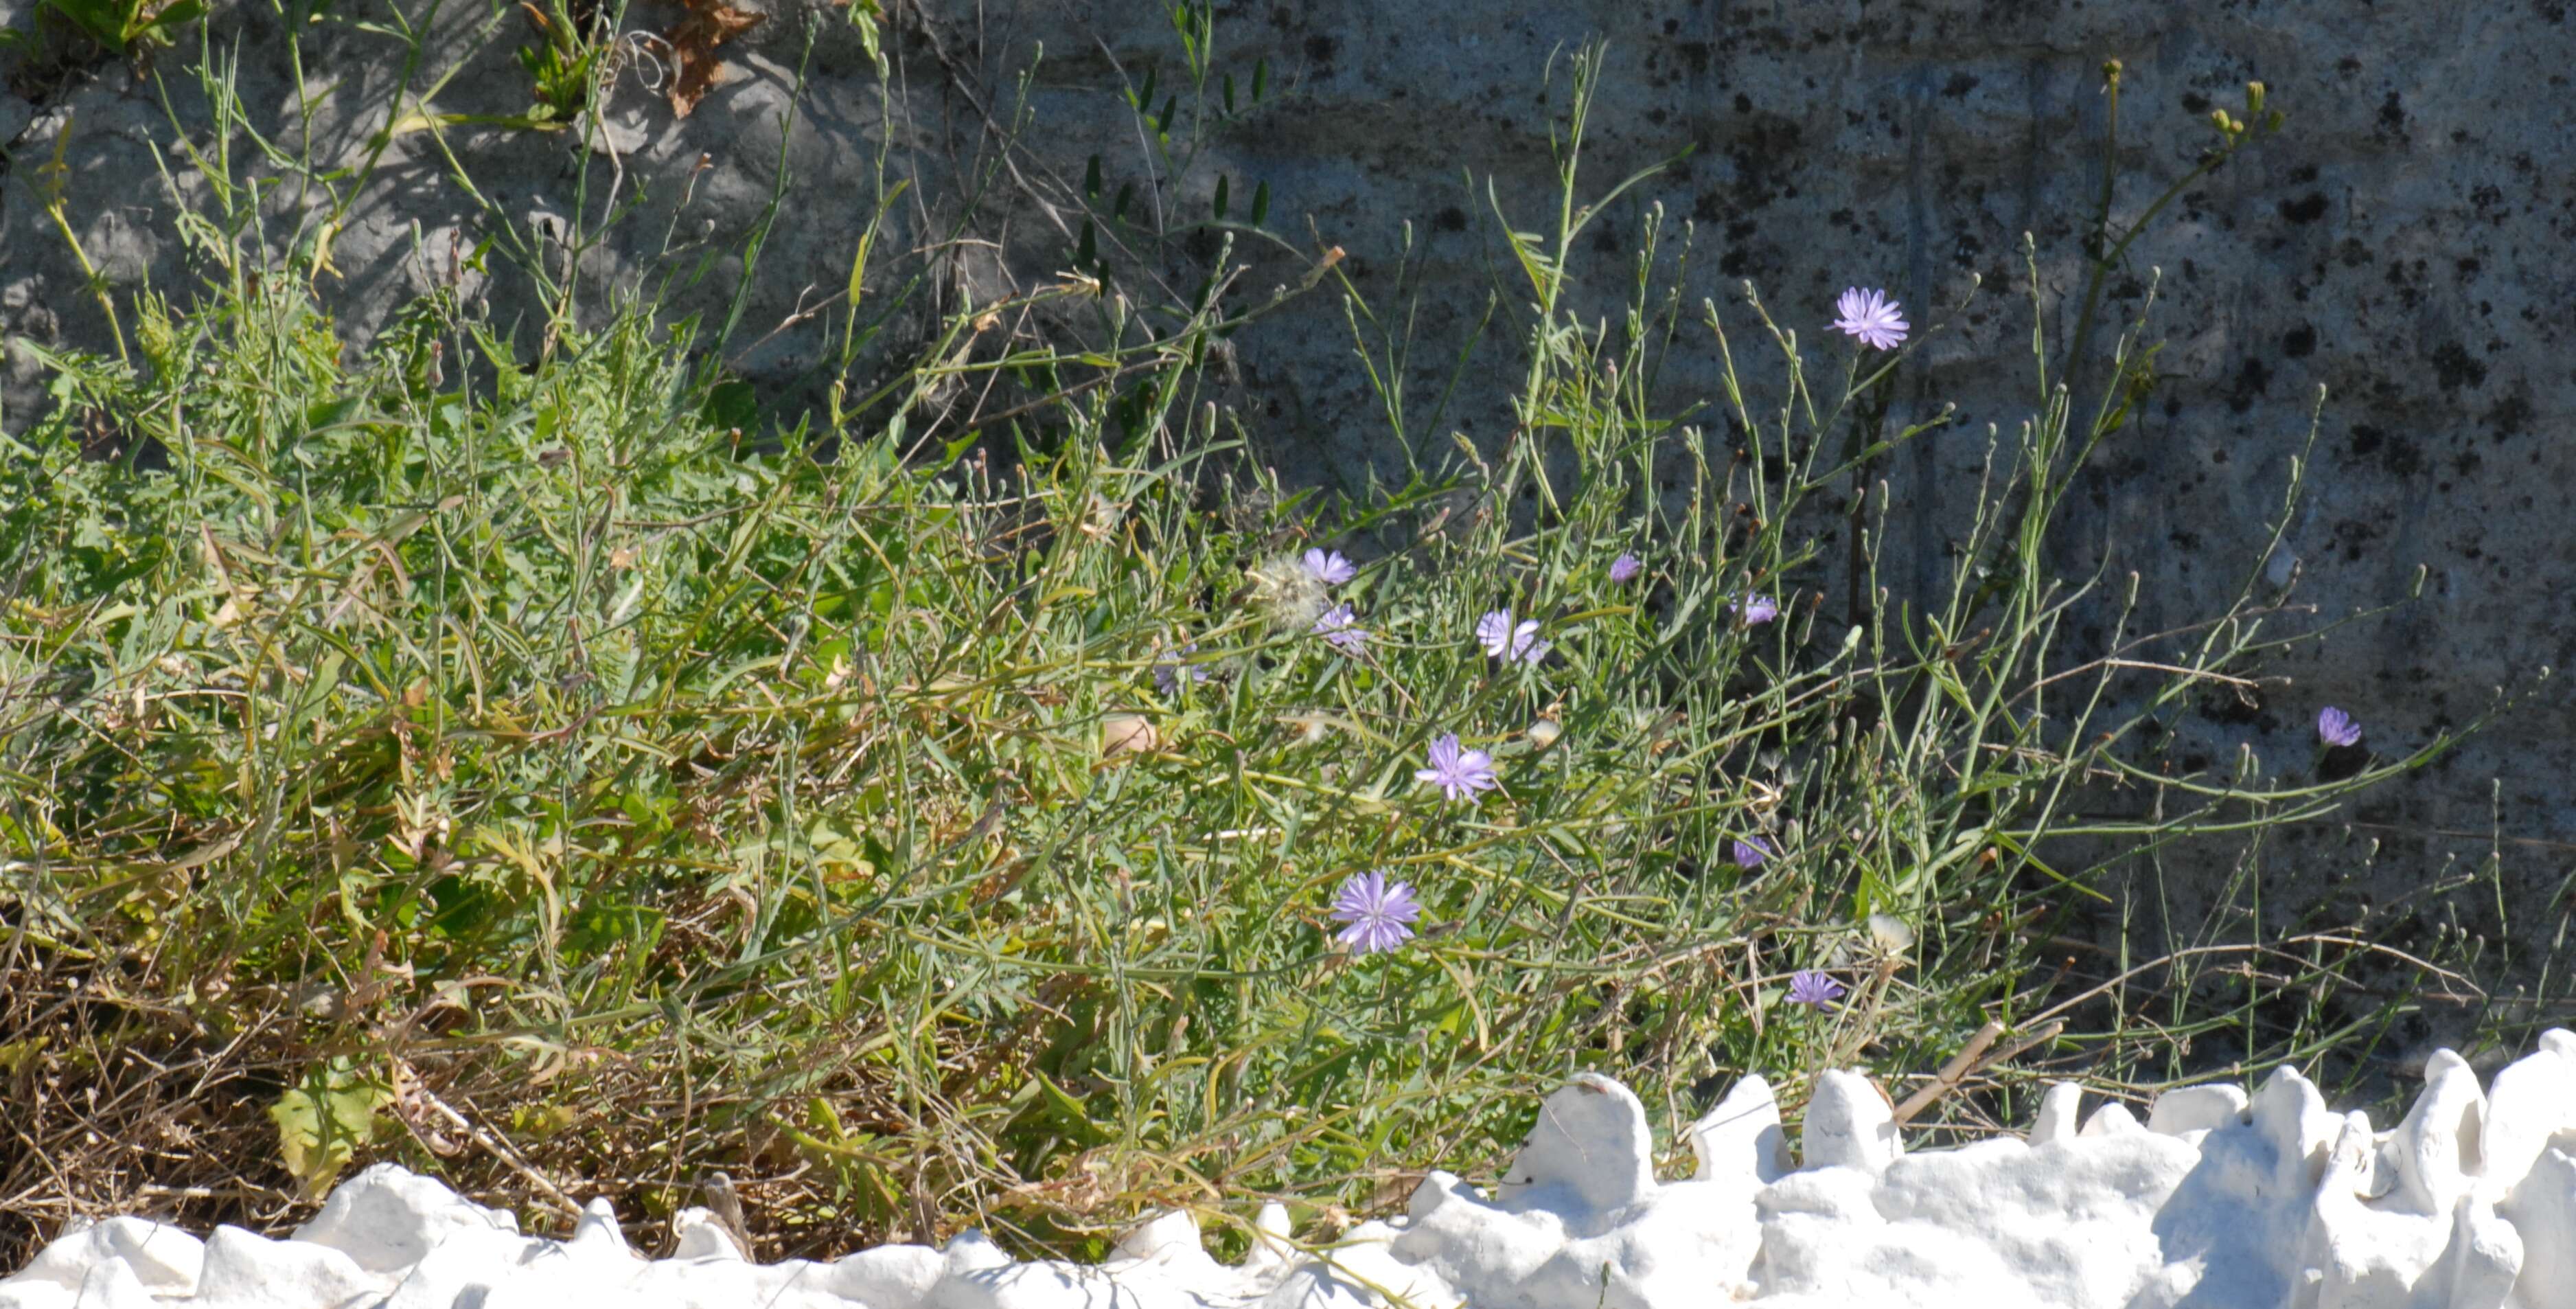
pixel 1813 989
pixel 1378 916
pixel 1625 567
pixel 1505 640
pixel 1870 316
pixel 2335 727
pixel 1752 850
pixel 1329 567
pixel 1340 628
pixel 1170 671
pixel 1459 774
pixel 1754 608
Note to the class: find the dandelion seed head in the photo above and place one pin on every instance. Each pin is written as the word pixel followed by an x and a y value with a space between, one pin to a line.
pixel 1287 593
pixel 1890 934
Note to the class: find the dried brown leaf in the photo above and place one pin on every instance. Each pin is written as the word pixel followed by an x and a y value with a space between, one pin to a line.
pixel 708 24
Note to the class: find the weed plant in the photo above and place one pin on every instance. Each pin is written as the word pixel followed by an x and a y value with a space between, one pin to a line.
pixel 514 763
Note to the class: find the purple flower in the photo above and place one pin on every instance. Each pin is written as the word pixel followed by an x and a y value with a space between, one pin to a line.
pixel 1754 608
pixel 1378 915
pixel 1625 567
pixel 1506 640
pixel 1813 989
pixel 1169 670
pixel 1329 567
pixel 1872 317
pixel 1752 850
pixel 1459 774
pixel 2335 727
pixel 1341 629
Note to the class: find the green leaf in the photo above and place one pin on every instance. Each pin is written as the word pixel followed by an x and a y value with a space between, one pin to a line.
pixel 322 1122
pixel 1260 79
pixel 1220 197
pixel 1069 1113
pixel 731 404
pixel 866 15
pixel 1091 178
pixel 1260 204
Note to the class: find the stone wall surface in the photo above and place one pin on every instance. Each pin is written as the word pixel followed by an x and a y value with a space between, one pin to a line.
pixel 2401 244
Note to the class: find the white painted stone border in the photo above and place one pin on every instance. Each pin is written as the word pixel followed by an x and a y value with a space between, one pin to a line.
pixel 2215 1202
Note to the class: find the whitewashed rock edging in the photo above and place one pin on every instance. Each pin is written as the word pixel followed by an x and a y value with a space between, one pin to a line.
pixel 2214 1202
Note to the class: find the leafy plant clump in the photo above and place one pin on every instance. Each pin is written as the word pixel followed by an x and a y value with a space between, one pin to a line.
pixel 114 27
pixel 506 762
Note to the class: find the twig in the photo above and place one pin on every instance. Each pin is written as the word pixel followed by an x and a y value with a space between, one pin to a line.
pixel 2047 1033
pixel 1951 1074
pixel 1973 1059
